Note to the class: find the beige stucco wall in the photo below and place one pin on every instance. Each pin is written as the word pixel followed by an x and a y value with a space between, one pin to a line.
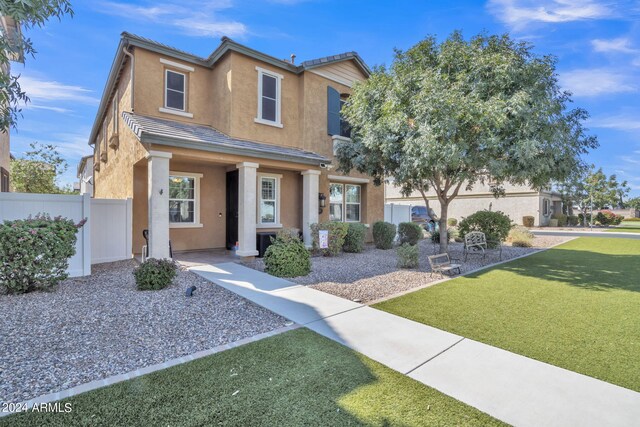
pixel 4 151
pixel 115 178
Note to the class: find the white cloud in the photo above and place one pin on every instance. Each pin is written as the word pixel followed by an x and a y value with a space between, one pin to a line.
pixel 48 108
pixel 623 122
pixel 40 90
pixel 518 14
pixel 191 18
pixel 622 45
pixel 594 82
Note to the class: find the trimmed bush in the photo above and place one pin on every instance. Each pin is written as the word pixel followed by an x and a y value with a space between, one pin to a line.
pixel 572 220
pixel 354 240
pixel 435 235
pixel 337 233
pixel 155 274
pixel 383 234
pixel 494 224
pixel 562 219
pixel 608 218
pixel 581 218
pixel 35 252
pixel 409 232
pixel 287 256
pixel 407 256
pixel 528 221
pixel 452 222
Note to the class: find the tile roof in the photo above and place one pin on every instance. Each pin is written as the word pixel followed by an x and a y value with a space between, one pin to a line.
pixel 162 131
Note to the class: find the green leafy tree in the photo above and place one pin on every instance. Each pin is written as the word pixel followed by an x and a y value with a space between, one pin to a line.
pixel 589 186
pixel 39 170
pixel 633 203
pixel 29 14
pixel 452 114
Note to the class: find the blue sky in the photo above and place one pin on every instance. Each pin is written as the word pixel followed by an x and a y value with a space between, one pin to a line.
pixel 597 44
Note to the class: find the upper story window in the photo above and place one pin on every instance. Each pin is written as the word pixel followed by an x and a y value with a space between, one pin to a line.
pixel 336 124
pixel 175 90
pixel 269 97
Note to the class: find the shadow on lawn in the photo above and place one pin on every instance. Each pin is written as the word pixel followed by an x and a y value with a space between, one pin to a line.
pixel 584 269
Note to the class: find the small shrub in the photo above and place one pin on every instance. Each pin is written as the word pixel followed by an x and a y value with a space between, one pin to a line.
pixel 452 222
pixel 287 256
pixel 407 256
pixel 409 232
pixel 572 220
pixel 562 219
pixel 528 221
pixel 520 236
pixel 435 235
pixel 154 274
pixel 608 218
pixel 581 218
pixel 35 252
pixel 354 240
pixel 383 234
pixel 522 243
pixel 337 233
pixel 494 224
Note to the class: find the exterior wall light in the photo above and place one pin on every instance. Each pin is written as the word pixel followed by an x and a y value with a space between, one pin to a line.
pixel 321 199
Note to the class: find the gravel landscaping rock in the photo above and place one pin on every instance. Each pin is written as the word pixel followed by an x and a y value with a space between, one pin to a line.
pixel 374 274
pixel 94 327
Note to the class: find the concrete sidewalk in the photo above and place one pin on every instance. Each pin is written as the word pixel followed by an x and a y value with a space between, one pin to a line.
pixel 510 387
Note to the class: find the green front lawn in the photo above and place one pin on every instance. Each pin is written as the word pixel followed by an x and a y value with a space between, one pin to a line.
pixel 576 306
pixel 627 227
pixel 293 379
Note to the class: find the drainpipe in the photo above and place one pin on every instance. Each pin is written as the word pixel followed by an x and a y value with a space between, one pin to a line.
pixel 133 63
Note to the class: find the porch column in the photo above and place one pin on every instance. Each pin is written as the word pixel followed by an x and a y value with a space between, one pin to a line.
pixel 310 189
pixel 247 208
pixel 158 186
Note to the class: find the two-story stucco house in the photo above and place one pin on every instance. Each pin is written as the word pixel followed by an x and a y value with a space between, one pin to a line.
pixel 213 150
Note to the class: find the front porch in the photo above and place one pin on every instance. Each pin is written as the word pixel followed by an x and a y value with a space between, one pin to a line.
pixel 200 202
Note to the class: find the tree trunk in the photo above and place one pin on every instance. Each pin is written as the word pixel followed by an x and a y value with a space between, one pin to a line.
pixel 444 234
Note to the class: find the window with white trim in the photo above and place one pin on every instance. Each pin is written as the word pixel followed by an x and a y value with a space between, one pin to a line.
pixel 184 195
pixel 336 199
pixel 175 90
pixel 545 207
pixel 269 200
pixel 345 202
pixel 269 97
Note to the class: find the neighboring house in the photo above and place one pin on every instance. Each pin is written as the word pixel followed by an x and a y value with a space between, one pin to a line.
pixel 518 201
pixel 85 176
pixel 11 30
pixel 213 150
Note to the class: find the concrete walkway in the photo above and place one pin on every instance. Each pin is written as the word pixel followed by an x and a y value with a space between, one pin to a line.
pixel 510 387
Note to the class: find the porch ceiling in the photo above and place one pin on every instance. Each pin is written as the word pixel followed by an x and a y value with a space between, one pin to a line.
pixel 198 137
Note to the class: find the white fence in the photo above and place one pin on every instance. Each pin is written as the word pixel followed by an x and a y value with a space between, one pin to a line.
pixel 105 237
pixel 395 214
pixel 111 228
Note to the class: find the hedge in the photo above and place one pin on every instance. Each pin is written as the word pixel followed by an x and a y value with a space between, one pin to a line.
pixel 337 234
pixel 354 239
pixel 384 233
pixel 409 232
pixel 494 224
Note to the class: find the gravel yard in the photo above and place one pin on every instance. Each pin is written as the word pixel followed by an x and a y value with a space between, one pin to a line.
pixel 373 274
pixel 94 327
